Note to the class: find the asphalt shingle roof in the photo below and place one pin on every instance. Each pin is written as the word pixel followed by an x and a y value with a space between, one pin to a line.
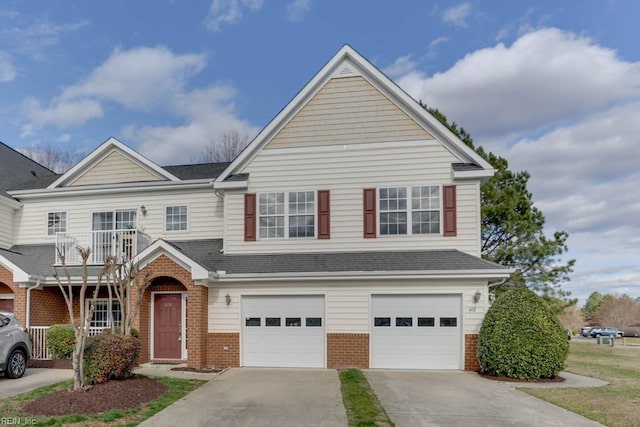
pixel 16 168
pixel 35 260
pixel 197 171
pixel 462 167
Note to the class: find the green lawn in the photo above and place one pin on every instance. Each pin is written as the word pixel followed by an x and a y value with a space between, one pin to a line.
pixel 616 404
pixel 362 405
pixel 11 408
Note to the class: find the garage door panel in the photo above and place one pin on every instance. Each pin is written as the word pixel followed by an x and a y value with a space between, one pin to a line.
pixel 283 346
pixel 425 342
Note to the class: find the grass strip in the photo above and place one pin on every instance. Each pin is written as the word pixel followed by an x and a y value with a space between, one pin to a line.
pixel 361 403
pixel 178 388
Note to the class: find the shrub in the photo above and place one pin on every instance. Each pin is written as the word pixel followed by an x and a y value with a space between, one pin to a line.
pixel 61 341
pixel 110 357
pixel 522 338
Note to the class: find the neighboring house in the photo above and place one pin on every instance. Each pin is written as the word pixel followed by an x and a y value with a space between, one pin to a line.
pixel 346 234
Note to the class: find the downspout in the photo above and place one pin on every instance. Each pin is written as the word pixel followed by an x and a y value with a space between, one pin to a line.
pixel 28 314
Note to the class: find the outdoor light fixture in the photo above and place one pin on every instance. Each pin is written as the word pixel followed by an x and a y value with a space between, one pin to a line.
pixel 227 299
pixel 143 209
pixel 476 297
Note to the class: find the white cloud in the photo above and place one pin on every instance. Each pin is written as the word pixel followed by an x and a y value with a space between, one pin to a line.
pixel 229 12
pixel 401 66
pixel 297 9
pixel 7 71
pixel 433 46
pixel 34 36
pixel 60 113
pixel 545 77
pixel 139 78
pixel 457 15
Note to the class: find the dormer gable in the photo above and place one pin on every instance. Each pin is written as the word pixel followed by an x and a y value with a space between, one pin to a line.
pixel 113 163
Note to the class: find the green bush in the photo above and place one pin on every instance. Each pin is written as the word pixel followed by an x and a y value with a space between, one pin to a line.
pixel 110 357
pixel 61 341
pixel 522 338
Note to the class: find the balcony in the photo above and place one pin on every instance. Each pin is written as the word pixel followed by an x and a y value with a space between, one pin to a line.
pixel 121 244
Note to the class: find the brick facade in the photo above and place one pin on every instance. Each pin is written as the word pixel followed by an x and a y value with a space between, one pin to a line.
pixel 167 275
pixel 347 350
pixel 471 353
pixel 19 304
pixel 223 349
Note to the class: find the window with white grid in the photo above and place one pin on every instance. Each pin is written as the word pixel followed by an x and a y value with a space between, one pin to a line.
pixel 409 210
pixel 291 214
pixel 103 317
pixel 176 218
pixel 56 223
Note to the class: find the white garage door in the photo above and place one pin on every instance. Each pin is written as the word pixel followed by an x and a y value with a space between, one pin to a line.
pixel 416 331
pixel 283 331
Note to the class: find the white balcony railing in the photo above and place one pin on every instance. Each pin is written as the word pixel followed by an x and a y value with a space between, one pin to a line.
pixel 121 244
pixel 39 350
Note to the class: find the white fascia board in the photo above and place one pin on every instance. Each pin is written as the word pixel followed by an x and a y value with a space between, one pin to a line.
pixel 12 203
pixel 231 185
pixel 130 187
pixel 103 149
pixel 161 247
pixel 360 275
pixel 483 174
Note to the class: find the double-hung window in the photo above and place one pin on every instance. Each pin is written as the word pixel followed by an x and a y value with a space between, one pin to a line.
pixel 56 223
pixel 287 214
pixel 176 218
pixel 103 317
pixel 409 210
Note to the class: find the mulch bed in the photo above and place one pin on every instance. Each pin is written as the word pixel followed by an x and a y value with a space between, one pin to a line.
pixel 50 364
pixel 557 379
pixel 204 370
pixel 122 394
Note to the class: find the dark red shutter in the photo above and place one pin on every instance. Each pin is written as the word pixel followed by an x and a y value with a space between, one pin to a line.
pixel 250 217
pixel 324 214
pixel 449 203
pixel 369 209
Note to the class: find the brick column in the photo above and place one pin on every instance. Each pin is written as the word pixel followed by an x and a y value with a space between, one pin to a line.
pixel 224 349
pixel 19 295
pixel 197 321
pixel 471 362
pixel 348 350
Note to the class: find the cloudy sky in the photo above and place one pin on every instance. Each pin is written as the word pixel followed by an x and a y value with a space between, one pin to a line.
pixel 552 86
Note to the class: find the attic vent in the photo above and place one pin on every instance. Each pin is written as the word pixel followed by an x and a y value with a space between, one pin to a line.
pixel 345 71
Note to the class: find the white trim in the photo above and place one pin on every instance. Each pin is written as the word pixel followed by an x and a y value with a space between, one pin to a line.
pixel 110 145
pixel 129 187
pixel 110 312
pixel 484 173
pixel 66 223
pixel 231 185
pixel 359 275
pixel 183 324
pixel 361 66
pixel 350 147
pixel 7 296
pixel 12 203
pixel 19 276
pixel 409 210
pixel 161 247
pixel 164 219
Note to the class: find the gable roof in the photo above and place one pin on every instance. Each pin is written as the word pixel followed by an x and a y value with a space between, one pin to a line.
pixel 348 62
pixel 107 147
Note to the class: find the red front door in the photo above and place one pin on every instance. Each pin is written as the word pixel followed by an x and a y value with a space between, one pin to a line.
pixel 166 326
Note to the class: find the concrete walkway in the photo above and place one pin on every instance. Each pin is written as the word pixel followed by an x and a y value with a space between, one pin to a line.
pixel 260 397
pixel 33 378
pixel 437 398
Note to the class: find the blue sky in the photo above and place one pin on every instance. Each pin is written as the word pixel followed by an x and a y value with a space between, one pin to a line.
pixel 552 86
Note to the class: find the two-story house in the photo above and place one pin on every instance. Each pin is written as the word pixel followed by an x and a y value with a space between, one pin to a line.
pixel 346 234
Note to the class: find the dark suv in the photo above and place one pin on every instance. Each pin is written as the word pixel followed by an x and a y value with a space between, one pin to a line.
pixel 15 346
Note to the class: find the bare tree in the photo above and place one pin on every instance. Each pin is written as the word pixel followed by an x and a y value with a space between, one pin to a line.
pixel 224 149
pixel 572 318
pixel 82 323
pixel 54 157
pixel 618 312
pixel 127 283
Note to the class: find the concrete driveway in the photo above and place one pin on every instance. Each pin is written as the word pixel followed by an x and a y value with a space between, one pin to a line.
pixel 33 378
pixel 260 397
pixel 421 398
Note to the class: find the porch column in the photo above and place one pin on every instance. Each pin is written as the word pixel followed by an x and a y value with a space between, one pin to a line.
pixel 197 320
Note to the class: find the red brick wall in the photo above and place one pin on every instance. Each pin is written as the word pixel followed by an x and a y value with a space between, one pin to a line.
pixel 471 353
pixel 347 350
pixel 19 295
pixel 166 275
pixel 224 349
pixel 48 307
